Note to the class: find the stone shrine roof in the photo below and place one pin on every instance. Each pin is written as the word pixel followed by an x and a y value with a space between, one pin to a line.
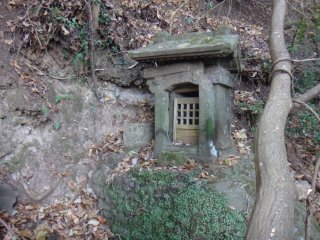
pixel 219 44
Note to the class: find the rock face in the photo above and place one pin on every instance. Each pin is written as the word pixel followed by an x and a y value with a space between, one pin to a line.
pixel 45 140
pixel 137 135
pixel 118 73
pixel 8 198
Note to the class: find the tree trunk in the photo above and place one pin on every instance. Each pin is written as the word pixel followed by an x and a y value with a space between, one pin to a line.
pixel 273 214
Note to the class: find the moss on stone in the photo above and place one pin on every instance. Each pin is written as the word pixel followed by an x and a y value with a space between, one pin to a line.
pixel 172 159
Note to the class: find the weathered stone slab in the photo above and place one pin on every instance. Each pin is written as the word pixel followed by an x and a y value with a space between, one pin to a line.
pixel 136 135
pixel 188 46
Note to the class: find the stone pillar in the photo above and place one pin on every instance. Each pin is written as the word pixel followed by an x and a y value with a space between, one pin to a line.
pixel 222 134
pixel 206 115
pixel 161 116
pixel 222 82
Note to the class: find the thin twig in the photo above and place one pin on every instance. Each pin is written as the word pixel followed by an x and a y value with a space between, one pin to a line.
pixel 59 78
pixel 305 60
pixel 132 66
pixel 174 13
pixel 309 108
pixel 9 229
pixel 315 175
pixel 206 13
pixel 297 10
pixel 34 68
pixel 93 73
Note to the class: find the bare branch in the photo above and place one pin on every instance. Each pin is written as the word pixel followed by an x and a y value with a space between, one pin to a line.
pixel 310 94
pixel 198 20
pixel 174 13
pixel 305 60
pixel 304 98
pixel 309 108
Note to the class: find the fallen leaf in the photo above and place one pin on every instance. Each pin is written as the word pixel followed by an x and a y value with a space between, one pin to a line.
pixel 101 219
pixel 94 222
pixel 8 42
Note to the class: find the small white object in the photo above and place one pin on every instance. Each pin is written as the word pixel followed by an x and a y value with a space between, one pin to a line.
pixel 94 222
pixel 213 149
pixel 134 161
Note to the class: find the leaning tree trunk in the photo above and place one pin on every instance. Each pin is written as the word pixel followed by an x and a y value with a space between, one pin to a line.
pixel 272 217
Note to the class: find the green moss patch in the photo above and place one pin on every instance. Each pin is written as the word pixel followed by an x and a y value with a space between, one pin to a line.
pixel 163 205
pixel 172 159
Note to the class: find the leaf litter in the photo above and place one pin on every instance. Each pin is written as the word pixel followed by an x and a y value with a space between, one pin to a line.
pixel 72 217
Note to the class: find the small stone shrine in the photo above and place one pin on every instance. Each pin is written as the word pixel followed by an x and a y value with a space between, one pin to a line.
pixel 192 83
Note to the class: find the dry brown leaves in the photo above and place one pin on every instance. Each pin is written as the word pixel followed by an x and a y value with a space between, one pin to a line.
pixel 241 96
pixel 242 142
pixel 69 218
pixel 132 23
pixel 230 160
pixel 43 20
pixel 29 79
pixel 143 158
pixel 206 175
pixel 146 112
pixel 111 143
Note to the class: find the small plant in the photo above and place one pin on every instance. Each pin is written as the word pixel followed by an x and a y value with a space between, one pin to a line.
pixel 189 20
pixel 266 65
pixel 60 98
pixel 44 110
pixel 305 124
pixel 210 5
pixel 253 110
pixel 171 206
pixel 293 48
pixel 301 32
pixel 57 125
pixel 310 79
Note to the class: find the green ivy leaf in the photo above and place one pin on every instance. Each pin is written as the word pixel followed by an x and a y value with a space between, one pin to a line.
pixel 57 125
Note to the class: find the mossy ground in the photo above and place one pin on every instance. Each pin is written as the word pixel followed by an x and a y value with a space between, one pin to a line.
pixel 166 205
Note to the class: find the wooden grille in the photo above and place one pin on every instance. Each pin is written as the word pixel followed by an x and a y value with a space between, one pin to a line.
pixel 186 120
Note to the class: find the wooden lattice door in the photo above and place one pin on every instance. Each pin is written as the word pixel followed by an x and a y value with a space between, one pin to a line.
pixel 186 120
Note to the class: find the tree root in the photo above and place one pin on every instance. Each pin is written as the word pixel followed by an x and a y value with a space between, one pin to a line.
pixel 41 197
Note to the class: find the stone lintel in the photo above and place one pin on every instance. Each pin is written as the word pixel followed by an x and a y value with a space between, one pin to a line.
pixel 171 69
